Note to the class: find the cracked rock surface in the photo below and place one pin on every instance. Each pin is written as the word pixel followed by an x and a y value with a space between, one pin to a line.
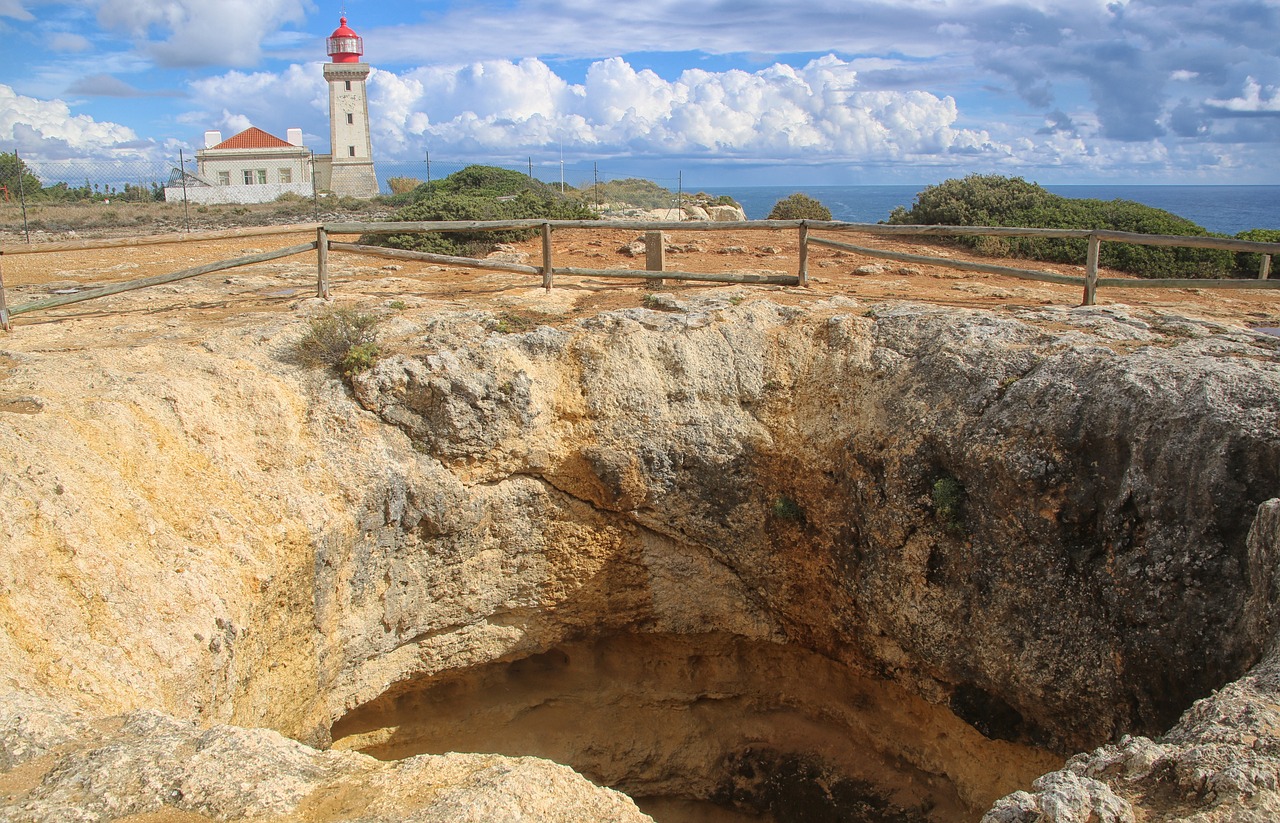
pixel 915 555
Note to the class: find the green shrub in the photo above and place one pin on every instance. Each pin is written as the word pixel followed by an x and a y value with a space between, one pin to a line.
pixel 342 339
pixel 784 508
pixel 513 322
pixel 799 206
pixel 478 193
pixel 360 357
pixel 994 200
pixel 949 504
pixel 1248 264
pixel 631 191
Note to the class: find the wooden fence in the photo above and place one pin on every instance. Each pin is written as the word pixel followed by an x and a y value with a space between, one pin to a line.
pixel 655 267
pixel 7 313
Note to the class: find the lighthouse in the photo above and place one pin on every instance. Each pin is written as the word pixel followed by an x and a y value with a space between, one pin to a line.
pixel 351 166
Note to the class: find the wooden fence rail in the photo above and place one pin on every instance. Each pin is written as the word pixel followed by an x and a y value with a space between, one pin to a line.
pixel 117 288
pixel 157 239
pixel 655 271
pixel 1090 281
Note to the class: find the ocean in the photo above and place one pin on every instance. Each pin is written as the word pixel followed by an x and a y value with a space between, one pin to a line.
pixel 1223 209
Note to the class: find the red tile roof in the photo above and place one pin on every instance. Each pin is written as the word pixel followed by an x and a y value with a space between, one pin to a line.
pixel 254 138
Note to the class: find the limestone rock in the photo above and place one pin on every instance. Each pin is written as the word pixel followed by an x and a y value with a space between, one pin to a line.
pixel 148 763
pixel 507 253
pixel 1220 763
pixel 726 214
pixel 983 541
pixel 636 248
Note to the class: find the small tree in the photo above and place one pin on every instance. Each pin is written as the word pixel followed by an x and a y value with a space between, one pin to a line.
pixel 799 207
pixel 12 169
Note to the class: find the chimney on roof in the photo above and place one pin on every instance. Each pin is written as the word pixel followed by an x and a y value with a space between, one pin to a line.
pixel 294 137
pixel 212 138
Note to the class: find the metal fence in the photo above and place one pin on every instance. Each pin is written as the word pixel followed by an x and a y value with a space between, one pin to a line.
pixel 144 180
pixel 26 183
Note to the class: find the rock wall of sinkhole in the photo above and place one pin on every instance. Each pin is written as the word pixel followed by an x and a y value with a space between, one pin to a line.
pixel 912 555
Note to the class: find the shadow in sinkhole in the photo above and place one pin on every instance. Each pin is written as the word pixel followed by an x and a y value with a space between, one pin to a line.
pixel 710 727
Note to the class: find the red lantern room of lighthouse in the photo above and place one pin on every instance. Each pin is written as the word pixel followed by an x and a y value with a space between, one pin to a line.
pixel 345 46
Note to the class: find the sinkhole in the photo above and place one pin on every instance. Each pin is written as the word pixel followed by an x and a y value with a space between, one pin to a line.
pixel 859 575
pixel 708 727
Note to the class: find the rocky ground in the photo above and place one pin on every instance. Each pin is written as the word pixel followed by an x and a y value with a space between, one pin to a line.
pixel 703 488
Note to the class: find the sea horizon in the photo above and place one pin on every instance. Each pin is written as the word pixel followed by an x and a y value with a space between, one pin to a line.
pixel 1218 208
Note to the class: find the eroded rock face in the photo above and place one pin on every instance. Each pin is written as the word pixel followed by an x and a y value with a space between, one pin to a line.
pixel 1107 475
pixel 1220 763
pixel 968 543
pixel 63 767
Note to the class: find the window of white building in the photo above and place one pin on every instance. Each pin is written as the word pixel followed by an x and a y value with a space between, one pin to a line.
pixel 286 175
pixel 224 178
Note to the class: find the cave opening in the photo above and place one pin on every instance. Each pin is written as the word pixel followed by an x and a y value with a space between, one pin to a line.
pixel 709 727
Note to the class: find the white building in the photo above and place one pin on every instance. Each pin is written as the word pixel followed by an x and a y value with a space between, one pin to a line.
pixel 250 167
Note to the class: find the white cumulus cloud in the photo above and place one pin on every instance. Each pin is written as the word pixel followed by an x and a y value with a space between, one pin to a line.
pixel 1253 100
pixel 812 113
pixel 46 129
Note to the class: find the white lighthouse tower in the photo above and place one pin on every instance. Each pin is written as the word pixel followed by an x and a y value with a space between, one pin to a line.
pixel 351 167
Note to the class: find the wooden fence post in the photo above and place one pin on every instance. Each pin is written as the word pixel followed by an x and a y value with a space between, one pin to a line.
pixel 4 307
pixel 655 253
pixel 322 263
pixel 546 256
pixel 803 272
pixel 1264 273
pixel 1091 270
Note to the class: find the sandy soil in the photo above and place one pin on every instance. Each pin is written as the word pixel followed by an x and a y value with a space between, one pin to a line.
pixel 278 285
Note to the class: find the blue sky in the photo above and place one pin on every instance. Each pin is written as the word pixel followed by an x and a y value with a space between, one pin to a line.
pixel 723 93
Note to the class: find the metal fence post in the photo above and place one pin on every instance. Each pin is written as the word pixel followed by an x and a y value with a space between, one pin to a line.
pixel 182 175
pixel 315 193
pixel 322 263
pixel 22 197
pixel 4 307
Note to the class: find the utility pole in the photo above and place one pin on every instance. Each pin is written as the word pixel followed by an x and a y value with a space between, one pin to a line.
pixel 22 196
pixel 315 192
pixel 595 173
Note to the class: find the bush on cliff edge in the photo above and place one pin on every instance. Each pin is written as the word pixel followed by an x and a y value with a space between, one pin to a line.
pixel 993 200
pixel 478 193
pixel 799 206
